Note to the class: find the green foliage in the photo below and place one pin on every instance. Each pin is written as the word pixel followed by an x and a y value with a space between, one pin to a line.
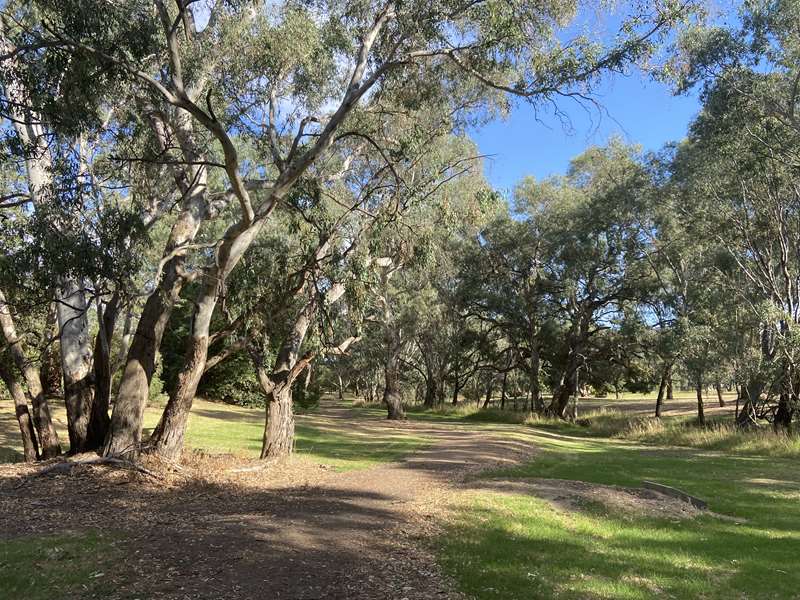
pixel 233 381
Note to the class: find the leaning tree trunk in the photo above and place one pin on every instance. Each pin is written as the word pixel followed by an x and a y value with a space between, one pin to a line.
pixel 662 387
pixel 76 363
pixel 43 421
pixel 489 390
pixel 167 438
pixel 30 447
pixel 747 414
pixel 125 429
pixel 720 398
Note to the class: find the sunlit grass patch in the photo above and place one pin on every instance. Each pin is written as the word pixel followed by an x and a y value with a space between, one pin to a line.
pixel 510 545
pixel 217 427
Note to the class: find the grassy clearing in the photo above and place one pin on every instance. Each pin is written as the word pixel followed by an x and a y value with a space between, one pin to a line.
pixel 53 566
pixel 223 428
pixel 719 434
pixel 517 546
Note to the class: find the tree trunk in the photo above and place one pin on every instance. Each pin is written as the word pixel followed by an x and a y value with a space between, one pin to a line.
pixel 503 391
pixel 279 430
pixel 50 358
pixel 103 371
pixel 563 394
pixel 720 399
pixel 430 389
pixel 168 436
pixel 489 389
pixel 341 386
pixel 701 417
pixel 536 394
pixel 43 421
pixel 747 415
pixel 662 387
pixel 784 414
pixel 392 396
pixel 670 395
pixel 30 447
pixel 125 429
pixel 166 441
pixel 76 363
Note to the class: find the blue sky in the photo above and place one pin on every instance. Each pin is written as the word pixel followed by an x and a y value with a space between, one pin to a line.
pixel 639 110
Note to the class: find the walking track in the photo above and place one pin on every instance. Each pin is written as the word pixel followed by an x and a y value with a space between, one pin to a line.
pixel 291 531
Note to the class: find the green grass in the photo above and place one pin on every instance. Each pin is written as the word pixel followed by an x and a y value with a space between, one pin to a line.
pixel 515 546
pixel 217 428
pixel 49 567
pixel 223 428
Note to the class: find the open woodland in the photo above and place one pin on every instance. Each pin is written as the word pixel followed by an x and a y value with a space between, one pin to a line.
pixel 267 330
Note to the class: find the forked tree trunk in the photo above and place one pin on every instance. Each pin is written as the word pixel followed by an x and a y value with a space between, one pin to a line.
pixel 747 414
pixel 125 430
pixel 167 438
pixel 42 420
pixel 662 388
pixel 30 447
pixel 563 394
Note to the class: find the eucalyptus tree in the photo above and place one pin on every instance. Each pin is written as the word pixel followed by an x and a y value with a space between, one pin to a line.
pixel 594 256
pixel 507 285
pixel 266 75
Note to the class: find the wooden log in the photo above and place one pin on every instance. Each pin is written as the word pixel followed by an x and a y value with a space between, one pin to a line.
pixel 676 493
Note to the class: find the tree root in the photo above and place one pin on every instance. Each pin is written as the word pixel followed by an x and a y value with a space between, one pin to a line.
pixel 65 466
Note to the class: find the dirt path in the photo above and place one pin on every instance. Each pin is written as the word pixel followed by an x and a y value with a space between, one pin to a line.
pixel 295 531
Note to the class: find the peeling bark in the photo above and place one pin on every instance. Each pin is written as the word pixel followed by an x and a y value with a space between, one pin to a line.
pixel 76 363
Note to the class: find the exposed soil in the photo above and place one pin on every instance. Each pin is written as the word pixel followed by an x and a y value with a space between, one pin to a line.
pixel 567 495
pixel 221 527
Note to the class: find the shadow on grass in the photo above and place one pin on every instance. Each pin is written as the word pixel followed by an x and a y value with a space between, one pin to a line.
pixel 517 546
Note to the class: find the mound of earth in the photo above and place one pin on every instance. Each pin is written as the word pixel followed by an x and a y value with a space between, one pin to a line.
pixel 569 495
